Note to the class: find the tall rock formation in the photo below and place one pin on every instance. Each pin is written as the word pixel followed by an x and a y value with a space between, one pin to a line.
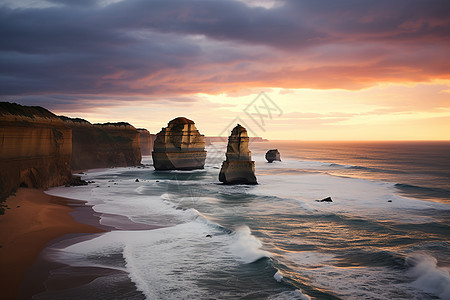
pixel 35 148
pixel 146 141
pixel 103 145
pixel 179 146
pixel 238 168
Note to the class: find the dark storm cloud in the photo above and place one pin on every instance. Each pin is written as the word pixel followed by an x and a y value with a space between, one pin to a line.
pixel 293 24
pixel 180 46
pixel 75 3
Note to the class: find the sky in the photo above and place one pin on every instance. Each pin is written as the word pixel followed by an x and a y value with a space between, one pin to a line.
pixel 285 69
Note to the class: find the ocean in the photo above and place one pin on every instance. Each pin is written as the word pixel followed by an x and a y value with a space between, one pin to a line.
pixel 184 235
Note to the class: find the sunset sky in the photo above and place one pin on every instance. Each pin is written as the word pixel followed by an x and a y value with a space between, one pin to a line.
pixel 328 70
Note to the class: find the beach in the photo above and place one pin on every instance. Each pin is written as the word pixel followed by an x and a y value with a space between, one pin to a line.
pixel 32 220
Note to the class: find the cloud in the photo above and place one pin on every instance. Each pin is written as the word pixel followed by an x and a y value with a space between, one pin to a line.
pixel 180 47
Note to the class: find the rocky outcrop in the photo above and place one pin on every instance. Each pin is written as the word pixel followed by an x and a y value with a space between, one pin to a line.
pixel 327 199
pixel 35 148
pixel 273 155
pixel 103 145
pixel 179 146
pixel 238 168
pixel 146 141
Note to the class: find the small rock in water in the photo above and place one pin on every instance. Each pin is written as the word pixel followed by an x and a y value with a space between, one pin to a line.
pixel 389 200
pixel 157 180
pixel 77 181
pixel 327 199
pixel 208 235
pixel 137 180
pixel 272 155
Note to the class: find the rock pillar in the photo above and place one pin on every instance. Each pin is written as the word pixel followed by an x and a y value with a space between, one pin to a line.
pixel 238 168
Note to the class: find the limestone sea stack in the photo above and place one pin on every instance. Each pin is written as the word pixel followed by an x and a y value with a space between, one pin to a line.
pixel 238 168
pixel 179 146
pixel 272 155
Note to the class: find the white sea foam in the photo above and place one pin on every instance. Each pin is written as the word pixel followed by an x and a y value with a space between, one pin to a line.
pixel 290 295
pixel 428 276
pixel 167 263
pixel 247 246
pixel 309 258
pixel 128 198
pixel 164 263
pixel 277 276
pixel 355 197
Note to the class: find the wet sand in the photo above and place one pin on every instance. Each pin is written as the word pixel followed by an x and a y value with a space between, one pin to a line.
pixel 32 220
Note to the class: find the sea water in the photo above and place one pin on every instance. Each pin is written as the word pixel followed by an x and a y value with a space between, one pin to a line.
pixel 184 235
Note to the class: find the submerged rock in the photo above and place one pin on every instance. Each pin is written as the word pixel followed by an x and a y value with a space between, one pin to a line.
pixel 272 155
pixel 238 168
pixel 179 146
pixel 327 199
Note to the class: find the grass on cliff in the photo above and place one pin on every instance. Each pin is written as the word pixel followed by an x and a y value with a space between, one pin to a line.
pixel 75 120
pixel 116 124
pixel 107 138
pixel 27 111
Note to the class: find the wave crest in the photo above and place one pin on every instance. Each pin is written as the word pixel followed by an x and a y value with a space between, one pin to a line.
pixel 247 246
pixel 428 276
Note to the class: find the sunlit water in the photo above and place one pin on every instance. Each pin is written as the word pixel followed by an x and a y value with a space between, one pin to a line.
pixel 386 235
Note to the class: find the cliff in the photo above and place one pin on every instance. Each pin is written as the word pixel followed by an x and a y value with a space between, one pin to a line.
pixel 35 148
pixel 179 146
pixel 103 145
pixel 146 141
pixel 238 168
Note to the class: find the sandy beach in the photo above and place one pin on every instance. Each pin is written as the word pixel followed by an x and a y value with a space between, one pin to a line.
pixel 32 220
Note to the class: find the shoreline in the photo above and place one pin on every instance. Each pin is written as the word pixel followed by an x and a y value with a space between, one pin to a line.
pixel 32 221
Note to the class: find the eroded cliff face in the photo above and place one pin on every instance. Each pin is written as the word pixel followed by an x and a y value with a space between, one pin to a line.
pixel 35 148
pixel 146 141
pixel 103 145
